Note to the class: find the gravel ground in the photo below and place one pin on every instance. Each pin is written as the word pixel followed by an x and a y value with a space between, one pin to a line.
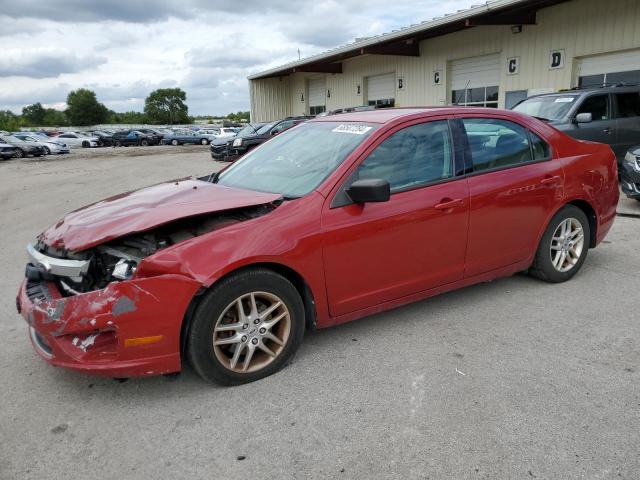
pixel 513 379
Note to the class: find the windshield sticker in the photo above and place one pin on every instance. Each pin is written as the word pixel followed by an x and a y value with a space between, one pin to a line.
pixel 355 129
pixel 564 99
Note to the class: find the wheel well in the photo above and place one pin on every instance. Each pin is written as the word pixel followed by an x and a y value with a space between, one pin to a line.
pixel 294 277
pixel 591 216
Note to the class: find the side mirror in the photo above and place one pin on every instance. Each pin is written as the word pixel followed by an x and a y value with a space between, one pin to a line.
pixel 584 117
pixel 369 190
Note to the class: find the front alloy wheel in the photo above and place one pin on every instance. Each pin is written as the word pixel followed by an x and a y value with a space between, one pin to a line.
pixel 247 327
pixel 251 332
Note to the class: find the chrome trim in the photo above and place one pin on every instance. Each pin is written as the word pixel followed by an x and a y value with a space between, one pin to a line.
pixel 58 266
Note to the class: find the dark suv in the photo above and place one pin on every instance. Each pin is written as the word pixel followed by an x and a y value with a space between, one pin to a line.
pixel 242 143
pixel 609 114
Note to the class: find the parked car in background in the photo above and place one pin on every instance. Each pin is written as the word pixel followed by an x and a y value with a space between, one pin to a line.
pixel 609 114
pixel 126 138
pixel 105 139
pixel 188 138
pixel 451 196
pixel 220 146
pixel 238 146
pixel 155 135
pixel 630 173
pixel 50 146
pixel 226 132
pixel 23 149
pixel 7 151
pixel 78 139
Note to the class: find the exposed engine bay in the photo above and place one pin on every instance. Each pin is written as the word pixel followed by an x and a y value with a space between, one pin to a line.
pixel 118 259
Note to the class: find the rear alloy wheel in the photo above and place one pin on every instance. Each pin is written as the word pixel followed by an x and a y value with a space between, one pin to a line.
pixel 246 328
pixel 47 151
pixel 174 143
pixel 564 245
pixel 204 141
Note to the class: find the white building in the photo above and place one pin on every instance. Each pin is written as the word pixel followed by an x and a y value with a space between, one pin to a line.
pixel 494 54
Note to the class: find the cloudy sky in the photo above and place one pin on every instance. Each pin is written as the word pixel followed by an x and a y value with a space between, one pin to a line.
pixel 124 49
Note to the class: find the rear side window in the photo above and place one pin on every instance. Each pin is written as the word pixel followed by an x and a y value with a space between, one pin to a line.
pixel 412 157
pixel 496 143
pixel 597 106
pixel 628 104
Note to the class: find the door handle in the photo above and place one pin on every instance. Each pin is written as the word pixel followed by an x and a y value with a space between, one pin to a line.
pixel 607 131
pixel 447 204
pixel 550 180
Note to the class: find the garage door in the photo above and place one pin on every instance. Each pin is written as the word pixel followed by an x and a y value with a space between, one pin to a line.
pixel 618 67
pixel 475 81
pixel 381 89
pixel 317 96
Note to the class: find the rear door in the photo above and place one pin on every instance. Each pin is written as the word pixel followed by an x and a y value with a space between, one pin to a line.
pixel 627 122
pixel 378 252
pixel 514 185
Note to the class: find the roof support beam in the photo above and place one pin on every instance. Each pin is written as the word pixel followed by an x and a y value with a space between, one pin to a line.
pixel 320 68
pixel 528 18
pixel 409 48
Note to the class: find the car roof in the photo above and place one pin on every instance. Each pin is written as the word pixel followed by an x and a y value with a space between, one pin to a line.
pixel 386 115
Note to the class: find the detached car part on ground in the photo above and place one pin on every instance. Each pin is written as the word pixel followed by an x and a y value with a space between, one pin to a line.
pixel 368 211
pixel 245 142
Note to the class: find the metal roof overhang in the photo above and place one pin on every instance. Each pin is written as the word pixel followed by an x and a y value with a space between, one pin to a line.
pixel 406 42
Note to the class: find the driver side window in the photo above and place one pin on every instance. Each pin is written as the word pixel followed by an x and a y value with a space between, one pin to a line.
pixel 412 157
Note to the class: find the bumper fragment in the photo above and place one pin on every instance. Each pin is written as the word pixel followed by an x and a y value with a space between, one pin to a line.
pixel 128 329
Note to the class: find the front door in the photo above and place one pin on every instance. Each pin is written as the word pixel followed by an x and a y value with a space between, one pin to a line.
pixel 377 252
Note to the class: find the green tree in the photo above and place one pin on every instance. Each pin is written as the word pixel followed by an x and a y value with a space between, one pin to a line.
pixel 166 106
pixel 83 108
pixel 54 118
pixel 33 115
pixel 9 121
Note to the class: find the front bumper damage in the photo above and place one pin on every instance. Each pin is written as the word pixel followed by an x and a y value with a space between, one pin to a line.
pixel 128 329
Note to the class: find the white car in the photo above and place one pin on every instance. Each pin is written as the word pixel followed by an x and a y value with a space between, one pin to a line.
pixel 50 146
pixel 77 139
pixel 227 132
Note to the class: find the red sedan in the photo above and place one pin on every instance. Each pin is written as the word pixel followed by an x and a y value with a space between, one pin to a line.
pixel 335 219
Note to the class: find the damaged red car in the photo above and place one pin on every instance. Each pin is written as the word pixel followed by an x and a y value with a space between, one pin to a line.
pixel 337 218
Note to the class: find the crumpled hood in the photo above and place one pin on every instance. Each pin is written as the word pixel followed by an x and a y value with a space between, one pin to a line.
pixel 147 208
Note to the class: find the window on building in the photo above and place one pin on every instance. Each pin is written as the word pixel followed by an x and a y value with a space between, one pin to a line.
pixel 317 109
pixel 628 78
pixel 476 97
pixel 383 102
pixel 496 143
pixel 412 157
pixel 628 104
pixel 597 106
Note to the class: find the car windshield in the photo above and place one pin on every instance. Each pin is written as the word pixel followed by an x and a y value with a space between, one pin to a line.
pixel 298 160
pixel 553 107
pixel 248 130
pixel 265 128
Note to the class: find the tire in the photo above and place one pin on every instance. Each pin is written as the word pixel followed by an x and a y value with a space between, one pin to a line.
pixel 47 151
pixel 117 143
pixel 19 153
pixel 215 363
pixel 543 265
pixel 144 143
pixel 175 143
pixel 85 144
pixel 204 141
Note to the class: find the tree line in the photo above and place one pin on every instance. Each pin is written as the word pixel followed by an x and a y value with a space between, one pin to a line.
pixel 165 106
